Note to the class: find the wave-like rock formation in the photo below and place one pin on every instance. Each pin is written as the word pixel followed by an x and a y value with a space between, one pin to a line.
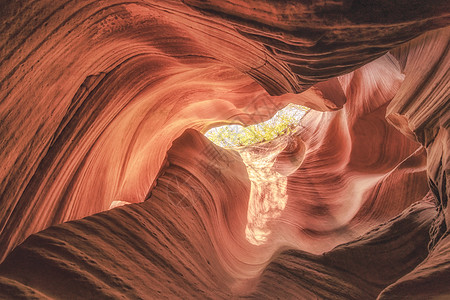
pixel 109 190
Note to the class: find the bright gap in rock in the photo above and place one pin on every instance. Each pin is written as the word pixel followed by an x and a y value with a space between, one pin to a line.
pixel 118 203
pixel 282 123
pixel 268 194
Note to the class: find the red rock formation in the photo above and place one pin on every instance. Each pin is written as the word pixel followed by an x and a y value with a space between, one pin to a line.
pixel 93 95
pixel 187 241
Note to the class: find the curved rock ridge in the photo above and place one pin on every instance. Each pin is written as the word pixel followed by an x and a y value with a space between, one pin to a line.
pixel 421 109
pixel 348 272
pixel 85 77
pixel 427 280
pixel 184 242
pixel 102 105
pixel 309 36
pixel 344 185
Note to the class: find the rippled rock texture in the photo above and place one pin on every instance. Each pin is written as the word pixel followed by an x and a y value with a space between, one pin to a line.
pixel 102 105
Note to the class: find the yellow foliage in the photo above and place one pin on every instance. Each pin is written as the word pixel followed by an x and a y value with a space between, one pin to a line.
pixel 283 122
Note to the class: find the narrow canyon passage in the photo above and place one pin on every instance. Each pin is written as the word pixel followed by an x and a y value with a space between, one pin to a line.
pixel 109 188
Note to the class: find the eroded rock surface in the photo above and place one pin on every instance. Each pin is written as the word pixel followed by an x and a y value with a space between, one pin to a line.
pixel 102 104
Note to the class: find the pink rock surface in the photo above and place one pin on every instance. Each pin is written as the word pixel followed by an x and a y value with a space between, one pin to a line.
pixel 102 104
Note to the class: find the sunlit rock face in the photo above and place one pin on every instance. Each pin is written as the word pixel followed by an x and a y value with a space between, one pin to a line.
pixel 102 103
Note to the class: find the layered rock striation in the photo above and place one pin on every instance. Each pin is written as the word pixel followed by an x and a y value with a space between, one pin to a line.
pixel 102 103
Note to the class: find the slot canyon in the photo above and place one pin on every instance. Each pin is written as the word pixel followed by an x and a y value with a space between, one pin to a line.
pixel 109 188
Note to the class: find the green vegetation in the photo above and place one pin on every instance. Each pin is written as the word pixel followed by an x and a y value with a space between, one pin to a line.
pixel 283 122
